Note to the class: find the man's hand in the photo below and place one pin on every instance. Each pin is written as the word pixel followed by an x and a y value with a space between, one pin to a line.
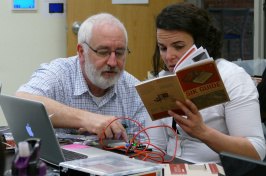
pixel 68 117
pixel 98 123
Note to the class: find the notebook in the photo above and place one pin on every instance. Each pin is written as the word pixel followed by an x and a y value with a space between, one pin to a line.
pixel 235 165
pixel 27 118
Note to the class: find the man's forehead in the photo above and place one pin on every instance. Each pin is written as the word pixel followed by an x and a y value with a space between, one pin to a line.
pixel 110 33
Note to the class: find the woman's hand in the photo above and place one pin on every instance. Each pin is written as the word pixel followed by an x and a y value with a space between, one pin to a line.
pixel 193 125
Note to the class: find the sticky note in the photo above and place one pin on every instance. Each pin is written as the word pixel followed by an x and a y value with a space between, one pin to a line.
pixel 75 146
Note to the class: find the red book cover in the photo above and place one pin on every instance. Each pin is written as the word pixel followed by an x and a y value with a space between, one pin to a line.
pixel 178 169
pixel 214 168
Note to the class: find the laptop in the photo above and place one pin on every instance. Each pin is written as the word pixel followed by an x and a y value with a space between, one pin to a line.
pixel 27 118
pixel 236 165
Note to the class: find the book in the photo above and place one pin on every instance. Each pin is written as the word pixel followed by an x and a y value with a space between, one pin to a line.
pixel 7 138
pixel 196 78
pixel 110 166
pixel 206 169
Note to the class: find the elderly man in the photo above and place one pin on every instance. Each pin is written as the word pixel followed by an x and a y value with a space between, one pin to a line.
pixel 88 91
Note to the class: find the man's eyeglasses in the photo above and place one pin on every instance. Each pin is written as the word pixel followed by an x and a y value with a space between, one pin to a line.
pixel 104 53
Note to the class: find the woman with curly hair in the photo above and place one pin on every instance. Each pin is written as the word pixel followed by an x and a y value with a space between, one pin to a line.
pixel 234 126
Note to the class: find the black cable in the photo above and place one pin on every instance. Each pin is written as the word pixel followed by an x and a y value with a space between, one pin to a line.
pixel 174 126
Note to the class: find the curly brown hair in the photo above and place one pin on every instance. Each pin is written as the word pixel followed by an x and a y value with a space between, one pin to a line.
pixel 194 20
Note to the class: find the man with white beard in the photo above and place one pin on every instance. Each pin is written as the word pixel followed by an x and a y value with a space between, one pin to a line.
pixel 88 91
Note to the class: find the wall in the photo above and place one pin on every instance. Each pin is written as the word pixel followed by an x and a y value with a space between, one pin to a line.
pixel 27 39
pixel 249 32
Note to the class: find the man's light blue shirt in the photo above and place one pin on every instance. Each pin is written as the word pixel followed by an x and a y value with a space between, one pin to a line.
pixel 63 81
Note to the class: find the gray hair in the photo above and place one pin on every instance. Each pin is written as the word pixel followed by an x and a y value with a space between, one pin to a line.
pixel 85 30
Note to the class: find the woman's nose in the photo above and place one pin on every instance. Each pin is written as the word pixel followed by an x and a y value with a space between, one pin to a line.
pixel 170 54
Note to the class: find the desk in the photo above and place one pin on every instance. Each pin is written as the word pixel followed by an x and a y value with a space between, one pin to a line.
pixel 53 171
pixel 11 153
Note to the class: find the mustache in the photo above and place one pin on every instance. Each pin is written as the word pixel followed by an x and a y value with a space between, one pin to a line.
pixel 109 68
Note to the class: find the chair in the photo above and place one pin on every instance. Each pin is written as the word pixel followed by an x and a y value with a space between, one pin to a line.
pixel 233 25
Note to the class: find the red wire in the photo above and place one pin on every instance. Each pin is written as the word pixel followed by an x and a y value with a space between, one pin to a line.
pixel 142 153
pixel 151 157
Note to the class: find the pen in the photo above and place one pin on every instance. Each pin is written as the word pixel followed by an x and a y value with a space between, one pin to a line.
pixel 7 144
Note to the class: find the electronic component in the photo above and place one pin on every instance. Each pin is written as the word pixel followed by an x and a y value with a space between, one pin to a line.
pixel 56 7
pixel 122 146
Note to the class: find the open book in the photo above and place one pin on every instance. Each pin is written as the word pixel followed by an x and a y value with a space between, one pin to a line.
pixel 196 78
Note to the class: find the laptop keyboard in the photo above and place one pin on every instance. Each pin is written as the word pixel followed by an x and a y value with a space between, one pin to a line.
pixel 71 155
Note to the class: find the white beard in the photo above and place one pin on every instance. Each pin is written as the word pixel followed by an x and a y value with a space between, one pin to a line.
pixel 97 79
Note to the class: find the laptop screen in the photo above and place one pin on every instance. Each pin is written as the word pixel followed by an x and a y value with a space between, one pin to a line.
pixel 235 165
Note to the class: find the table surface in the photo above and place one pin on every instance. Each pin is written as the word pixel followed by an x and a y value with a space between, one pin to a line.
pixel 54 171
